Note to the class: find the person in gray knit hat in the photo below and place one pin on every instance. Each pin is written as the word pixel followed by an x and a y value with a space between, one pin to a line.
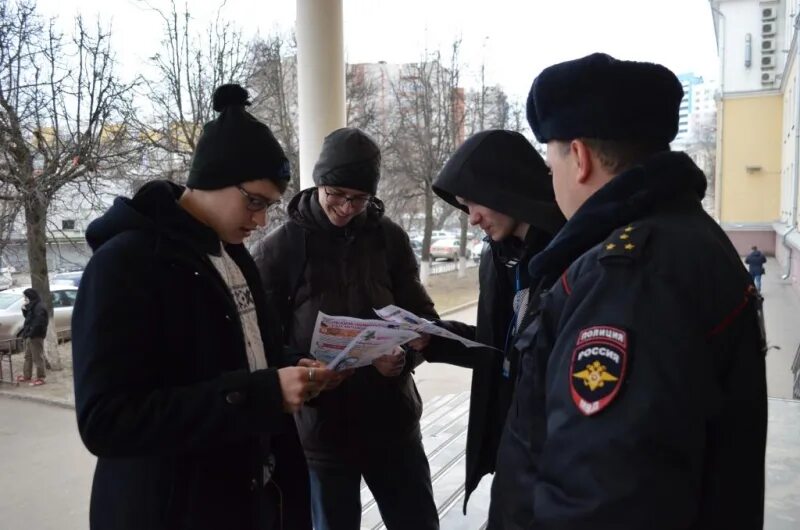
pixel 339 254
pixel 180 384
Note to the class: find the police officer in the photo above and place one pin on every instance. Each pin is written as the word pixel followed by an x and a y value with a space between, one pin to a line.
pixel 641 399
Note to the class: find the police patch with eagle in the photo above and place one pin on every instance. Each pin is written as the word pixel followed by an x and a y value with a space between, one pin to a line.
pixel 598 367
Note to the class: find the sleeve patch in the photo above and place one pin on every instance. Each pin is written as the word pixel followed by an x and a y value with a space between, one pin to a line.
pixel 598 367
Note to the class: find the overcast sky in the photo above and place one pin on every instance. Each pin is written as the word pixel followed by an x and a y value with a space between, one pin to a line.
pixel 516 38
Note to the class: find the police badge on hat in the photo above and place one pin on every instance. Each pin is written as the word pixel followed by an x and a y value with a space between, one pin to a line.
pixel 598 367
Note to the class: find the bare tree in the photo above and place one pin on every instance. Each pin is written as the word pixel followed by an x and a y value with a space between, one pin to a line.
pixel 190 65
pixel 9 212
pixel 363 100
pixel 428 125
pixel 62 120
pixel 273 78
pixel 701 146
pixel 517 121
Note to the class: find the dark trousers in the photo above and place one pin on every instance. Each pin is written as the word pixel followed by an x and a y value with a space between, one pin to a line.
pixel 400 481
pixel 34 354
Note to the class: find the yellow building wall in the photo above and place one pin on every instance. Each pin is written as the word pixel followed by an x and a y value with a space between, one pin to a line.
pixel 751 137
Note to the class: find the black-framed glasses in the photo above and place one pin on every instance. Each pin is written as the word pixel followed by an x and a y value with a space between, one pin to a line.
pixel 337 198
pixel 256 203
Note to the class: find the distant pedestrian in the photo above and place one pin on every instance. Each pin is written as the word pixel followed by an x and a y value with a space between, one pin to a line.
pixel 755 262
pixel 34 331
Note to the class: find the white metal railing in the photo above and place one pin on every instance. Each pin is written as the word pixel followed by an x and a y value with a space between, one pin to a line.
pixel 441 267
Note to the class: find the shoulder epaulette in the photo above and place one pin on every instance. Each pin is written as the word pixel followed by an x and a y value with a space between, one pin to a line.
pixel 625 242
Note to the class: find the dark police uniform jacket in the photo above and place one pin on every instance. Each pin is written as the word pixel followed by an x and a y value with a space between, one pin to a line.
pixel 641 398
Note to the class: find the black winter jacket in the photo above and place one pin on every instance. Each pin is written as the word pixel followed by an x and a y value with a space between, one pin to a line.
pixel 36 317
pixel 347 271
pixel 501 170
pixel 755 262
pixel 164 396
pixel 641 397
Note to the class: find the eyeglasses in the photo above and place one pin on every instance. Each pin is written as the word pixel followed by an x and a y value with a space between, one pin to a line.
pixel 256 203
pixel 337 198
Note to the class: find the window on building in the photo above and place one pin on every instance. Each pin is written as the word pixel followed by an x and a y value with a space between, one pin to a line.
pixel 68 224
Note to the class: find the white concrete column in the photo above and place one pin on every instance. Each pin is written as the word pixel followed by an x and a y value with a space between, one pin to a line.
pixel 320 77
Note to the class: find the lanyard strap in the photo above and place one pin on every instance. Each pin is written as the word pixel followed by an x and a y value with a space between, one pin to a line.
pixel 517 289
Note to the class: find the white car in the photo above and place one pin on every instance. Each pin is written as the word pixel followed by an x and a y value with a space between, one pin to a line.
pixel 447 248
pixel 441 234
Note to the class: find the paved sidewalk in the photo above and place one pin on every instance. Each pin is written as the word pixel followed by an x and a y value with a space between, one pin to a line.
pixel 782 317
pixel 45 472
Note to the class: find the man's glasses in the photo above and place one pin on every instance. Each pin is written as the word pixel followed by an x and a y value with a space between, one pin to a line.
pixel 256 203
pixel 337 198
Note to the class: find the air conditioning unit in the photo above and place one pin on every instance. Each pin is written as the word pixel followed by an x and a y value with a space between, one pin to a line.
pixel 768 45
pixel 768 29
pixel 768 14
pixel 768 62
pixel 767 78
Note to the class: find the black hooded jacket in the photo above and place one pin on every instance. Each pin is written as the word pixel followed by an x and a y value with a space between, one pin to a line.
pixel 164 395
pixel 346 271
pixel 641 395
pixel 500 170
pixel 36 317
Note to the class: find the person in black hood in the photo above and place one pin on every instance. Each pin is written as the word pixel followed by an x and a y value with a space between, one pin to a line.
pixel 341 255
pixel 179 385
pixel 34 330
pixel 641 395
pixel 499 179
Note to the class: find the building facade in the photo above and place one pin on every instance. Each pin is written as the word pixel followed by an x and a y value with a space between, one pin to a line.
pixel 759 127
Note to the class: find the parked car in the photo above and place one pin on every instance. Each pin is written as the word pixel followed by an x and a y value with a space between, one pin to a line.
pixel 11 319
pixel 447 248
pixel 416 246
pixel 72 278
pixel 6 281
pixel 441 234
pixel 476 248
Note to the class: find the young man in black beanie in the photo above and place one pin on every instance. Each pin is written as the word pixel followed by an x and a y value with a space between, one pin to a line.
pixel 641 397
pixel 179 384
pixel 499 179
pixel 341 255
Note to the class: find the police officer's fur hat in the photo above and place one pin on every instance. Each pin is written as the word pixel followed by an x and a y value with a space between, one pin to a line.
pixel 603 98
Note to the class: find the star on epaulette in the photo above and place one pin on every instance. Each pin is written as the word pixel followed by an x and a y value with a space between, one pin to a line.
pixel 626 242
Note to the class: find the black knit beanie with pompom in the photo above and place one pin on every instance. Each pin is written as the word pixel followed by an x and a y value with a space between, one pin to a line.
pixel 236 147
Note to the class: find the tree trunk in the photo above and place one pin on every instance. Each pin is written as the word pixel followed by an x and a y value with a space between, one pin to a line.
pixel 426 237
pixel 462 245
pixel 35 220
pixel 425 258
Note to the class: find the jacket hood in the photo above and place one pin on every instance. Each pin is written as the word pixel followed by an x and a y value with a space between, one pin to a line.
pixel 154 208
pixel 305 210
pixel 31 295
pixel 502 171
